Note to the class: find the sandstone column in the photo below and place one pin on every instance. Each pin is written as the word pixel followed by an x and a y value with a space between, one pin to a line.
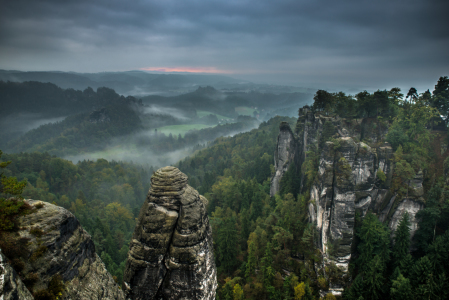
pixel 171 253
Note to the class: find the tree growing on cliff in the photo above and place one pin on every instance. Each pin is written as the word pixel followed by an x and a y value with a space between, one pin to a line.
pixel 441 97
pixel 290 182
pixel 9 187
pixel 367 106
pixel 323 101
pixel 412 95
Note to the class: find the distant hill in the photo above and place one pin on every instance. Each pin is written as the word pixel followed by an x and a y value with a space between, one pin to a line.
pixel 80 132
pixel 29 104
pixel 51 100
pixel 224 103
pixel 139 83
pixel 61 79
pixel 127 83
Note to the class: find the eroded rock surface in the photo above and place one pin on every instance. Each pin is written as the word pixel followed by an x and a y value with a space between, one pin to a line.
pixel 412 208
pixel 347 181
pixel 11 286
pixel 59 245
pixel 284 155
pixel 171 252
pixel 346 184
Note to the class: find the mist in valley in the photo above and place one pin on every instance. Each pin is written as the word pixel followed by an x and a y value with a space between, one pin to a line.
pixel 136 154
pixel 20 123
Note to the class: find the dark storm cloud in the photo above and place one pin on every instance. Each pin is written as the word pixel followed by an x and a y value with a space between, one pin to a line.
pixel 352 41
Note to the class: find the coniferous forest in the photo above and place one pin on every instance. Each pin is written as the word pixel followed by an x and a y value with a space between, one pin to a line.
pixel 264 247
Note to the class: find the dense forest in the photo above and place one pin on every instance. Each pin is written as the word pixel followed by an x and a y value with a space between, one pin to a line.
pixel 265 247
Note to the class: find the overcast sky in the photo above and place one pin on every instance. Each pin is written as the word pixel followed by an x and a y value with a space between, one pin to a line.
pixel 329 43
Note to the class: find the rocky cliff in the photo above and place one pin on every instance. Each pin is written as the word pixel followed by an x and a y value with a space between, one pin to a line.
pixel 59 252
pixel 346 181
pixel 171 252
pixel 11 286
pixel 284 155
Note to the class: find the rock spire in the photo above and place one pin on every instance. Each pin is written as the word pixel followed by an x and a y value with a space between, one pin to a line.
pixel 171 252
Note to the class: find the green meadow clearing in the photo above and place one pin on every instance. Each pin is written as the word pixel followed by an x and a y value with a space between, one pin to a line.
pixel 202 113
pixel 244 110
pixel 176 130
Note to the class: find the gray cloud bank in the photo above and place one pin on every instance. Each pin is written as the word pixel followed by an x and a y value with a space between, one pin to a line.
pixel 353 43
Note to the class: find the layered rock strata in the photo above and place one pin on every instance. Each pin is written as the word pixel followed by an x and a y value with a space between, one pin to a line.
pixel 171 252
pixel 11 286
pixel 57 244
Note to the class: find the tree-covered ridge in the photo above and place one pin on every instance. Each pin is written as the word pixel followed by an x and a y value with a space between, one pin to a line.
pixel 43 101
pixel 51 100
pixel 11 203
pixel 79 133
pixel 105 196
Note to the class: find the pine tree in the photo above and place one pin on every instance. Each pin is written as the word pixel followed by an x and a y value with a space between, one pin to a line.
pixel 374 240
pixel 429 217
pixel 227 250
pixel 401 241
pixel 252 260
pixel 356 290
pixel 374 279
pixel 401 289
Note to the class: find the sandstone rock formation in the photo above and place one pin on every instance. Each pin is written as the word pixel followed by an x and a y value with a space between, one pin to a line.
pixel 346 182
pixel 171 252
pixel 283 156
pixel 11 286
pixel 59 245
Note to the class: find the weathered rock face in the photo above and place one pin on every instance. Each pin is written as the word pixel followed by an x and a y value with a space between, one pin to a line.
pixel 171 253
pixel 347 183
pixel 284 155
pixel 11 286
pixel 412 205
pixel 59 245
pixel 412 208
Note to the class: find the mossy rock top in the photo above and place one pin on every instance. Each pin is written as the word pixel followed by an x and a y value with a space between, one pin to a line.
pixel 168 181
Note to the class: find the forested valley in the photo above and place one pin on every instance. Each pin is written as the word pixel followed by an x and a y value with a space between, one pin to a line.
pixel 264 247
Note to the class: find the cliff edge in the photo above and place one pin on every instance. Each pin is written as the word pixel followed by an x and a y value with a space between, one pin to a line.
pixel 58 257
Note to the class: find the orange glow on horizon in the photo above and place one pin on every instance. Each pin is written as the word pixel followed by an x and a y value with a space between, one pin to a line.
pixel 186 70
